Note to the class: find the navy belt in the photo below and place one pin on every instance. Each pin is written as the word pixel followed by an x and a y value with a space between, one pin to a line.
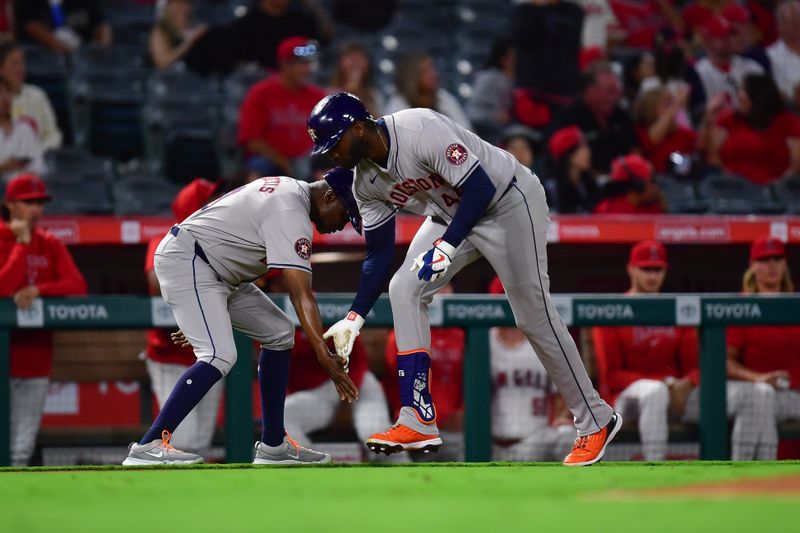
pixel 198 251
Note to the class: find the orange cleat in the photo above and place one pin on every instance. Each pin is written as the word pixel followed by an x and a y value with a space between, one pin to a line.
pixel 400 438
pixel 589 449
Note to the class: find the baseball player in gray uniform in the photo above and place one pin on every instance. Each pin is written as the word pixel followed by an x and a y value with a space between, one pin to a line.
pixel 205 267
pixel 479 201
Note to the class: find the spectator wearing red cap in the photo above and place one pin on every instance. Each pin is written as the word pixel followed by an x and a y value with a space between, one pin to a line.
pixel 530 421
pixel 598 113
pixel 20 148
pixel 761 140
pixel 722 70
pixel 784 55
pixel 165 361
pixel 447 378
pixel 696 14
pixel 272 123
pixel 577 190
pixel 267 23
pixel 656 113
pixel 631 190
pixel 768 355
pixel 32 264
pixel 652 372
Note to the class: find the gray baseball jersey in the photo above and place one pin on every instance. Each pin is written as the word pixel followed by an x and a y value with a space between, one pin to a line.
pixel 271 229
pixel 430 157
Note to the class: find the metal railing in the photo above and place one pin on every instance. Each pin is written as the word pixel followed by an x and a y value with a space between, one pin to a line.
pixel 711 313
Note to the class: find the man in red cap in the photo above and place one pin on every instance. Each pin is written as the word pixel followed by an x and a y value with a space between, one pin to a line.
pixel 272 124
pixel 631 190
pixel 768 356
pixel 651 372
pixel 721 71
pixel 33 263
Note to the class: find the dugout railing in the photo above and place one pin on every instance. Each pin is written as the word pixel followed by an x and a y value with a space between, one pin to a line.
pixel 711 313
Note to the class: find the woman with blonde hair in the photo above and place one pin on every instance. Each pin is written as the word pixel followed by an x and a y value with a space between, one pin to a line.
pixel 174 33
pixel 417 85
pixel 354 74
pixel 656 115
pixel 769 355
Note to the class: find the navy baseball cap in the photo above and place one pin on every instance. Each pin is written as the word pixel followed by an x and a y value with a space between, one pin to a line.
pixel 341 182
pixel 331 117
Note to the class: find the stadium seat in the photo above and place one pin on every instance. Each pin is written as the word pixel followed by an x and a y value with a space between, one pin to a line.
pixel 143 194
pixel 182 139
pixel 87 193
pixel 733 195
pixel 70 164
pixel 107 111
pixel 788 192
pixel 180 85
pixel 680 195
pixel 48 71
pixel 105 59
pixel 236 85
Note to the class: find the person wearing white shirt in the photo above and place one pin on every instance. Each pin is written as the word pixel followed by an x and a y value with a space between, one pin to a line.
pixel 417 85
pixel 784 55
pixel 20 150
pixel 29 101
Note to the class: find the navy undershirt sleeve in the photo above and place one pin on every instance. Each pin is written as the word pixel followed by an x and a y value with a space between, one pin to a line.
pixel 376 266
pixel 478 193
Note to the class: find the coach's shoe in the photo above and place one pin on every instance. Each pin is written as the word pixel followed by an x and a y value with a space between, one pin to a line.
pixel 289 452
pixel 407 435
pixel 589 449
pixel 159 452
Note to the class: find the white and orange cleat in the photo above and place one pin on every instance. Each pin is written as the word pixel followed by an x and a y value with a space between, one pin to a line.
pixel 589 449
pixel 401 437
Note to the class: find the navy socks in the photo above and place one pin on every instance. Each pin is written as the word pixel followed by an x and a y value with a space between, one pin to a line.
pixel 413 371
pixel 190 389
pixel 273 379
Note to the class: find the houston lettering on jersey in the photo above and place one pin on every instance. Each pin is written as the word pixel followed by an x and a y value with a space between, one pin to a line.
pixel 402 191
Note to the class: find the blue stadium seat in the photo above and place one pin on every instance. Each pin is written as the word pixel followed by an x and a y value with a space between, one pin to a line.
pixel 49 72
pixel 143 194
pixel 180 85
pixel 79 182
pixel 734 195
pixel 681 195
pixel 788 192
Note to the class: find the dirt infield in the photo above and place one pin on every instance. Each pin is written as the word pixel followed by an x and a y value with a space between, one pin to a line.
pixel 781 486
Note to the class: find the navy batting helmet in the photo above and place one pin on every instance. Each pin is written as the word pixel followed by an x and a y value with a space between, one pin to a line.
pixel 341 182
pixel 331 117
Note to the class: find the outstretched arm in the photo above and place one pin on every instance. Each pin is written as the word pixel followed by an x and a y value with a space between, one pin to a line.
pixel 299 286
pixel 374 273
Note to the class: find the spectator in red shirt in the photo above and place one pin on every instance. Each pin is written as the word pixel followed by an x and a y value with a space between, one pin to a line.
pixel 577 190
pixel 272 125
pixel 32 264
pixel 166 362
pixel 760 141
pixel 656 114
pixel 768 355
pixel 652 371
pixel 447 382
pixel 631 190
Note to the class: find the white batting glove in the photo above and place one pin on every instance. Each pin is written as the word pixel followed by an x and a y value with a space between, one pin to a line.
pixel 344 333
pixel 433 263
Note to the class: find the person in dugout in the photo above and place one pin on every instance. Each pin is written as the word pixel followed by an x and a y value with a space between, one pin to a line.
pixel 651 373
pixel 768 355
pixel 33 264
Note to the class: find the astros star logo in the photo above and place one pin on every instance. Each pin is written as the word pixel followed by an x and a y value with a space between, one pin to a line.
pixel 456 154
pixel 303 248
pixel 312 134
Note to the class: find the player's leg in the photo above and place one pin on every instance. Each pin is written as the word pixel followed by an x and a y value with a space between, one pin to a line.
pixel 649 398
pixel 199 302
pixel 410 298
pixel 255 315
pixel 787 405
pixel 27 404
pixel 752 406
pixel 513 237
pixel 371 413
pixel 310 410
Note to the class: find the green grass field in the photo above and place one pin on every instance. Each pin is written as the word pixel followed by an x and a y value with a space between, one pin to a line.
pixel 405 499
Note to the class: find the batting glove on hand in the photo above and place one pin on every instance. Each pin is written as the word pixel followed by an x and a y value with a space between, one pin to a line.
pixel 433 263
pixel 344 333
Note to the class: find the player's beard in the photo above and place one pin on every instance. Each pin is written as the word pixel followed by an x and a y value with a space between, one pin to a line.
pixel 358 152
